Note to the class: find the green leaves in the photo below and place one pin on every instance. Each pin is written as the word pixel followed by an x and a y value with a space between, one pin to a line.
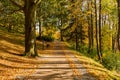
pixel 108 6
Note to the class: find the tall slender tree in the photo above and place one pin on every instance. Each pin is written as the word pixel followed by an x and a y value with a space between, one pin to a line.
pixel 97 45
pixel 118 33
pixel 100 34
pixel 92 29
pixel 90 26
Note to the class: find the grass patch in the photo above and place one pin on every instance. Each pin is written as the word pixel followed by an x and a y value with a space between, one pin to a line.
pixel 111 61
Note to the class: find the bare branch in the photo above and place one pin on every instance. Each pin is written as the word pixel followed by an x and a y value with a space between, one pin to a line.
pixel 16 4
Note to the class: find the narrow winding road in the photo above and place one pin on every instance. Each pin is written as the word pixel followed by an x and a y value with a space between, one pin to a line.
pixel 60 64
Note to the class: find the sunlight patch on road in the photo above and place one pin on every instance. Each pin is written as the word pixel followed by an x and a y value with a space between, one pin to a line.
pixel 73 66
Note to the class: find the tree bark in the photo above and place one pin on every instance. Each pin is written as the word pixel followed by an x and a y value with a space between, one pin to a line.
pixel 30 28
pixel 40 30
pixel 76 33
pixel 97 46
pixel 76 39
pixel 29 9
pixel 9 27
pixel 89 38
pixel 40 20
pixel 90 27
pixel 113 43
pixel 118 33
pixel 92 35
pixel 100 37
pixel 61 32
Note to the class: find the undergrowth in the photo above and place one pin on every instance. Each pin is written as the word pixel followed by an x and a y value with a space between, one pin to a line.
pixel 110 60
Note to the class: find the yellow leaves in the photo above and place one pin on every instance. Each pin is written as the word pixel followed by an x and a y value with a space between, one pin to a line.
pixel 88 13
pixel 104 54
pixel 76 11
pixel 57 35
pixel 50 31
pixel 75 7
pixel 73 27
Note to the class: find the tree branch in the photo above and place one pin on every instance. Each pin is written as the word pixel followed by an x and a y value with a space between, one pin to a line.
pixel 37 2
pixel 16 11
pixel 16 4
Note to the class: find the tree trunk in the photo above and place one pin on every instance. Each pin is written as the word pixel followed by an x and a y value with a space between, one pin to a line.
pixel 30 36
pixel 76 39
pixel 40 30
pixel 40 20
pixel 61 32
pixel 100 37
pixel 90 28
pixel 118 34
pixel 76 33
pixel 9 28
pixel 89 38
pixel 113 43
pixel 97 46
pixel 92 34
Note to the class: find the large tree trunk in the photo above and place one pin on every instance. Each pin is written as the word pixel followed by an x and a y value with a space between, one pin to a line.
pixel 30 36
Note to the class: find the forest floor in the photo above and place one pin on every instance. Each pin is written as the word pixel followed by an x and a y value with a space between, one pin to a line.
pixel 55 62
